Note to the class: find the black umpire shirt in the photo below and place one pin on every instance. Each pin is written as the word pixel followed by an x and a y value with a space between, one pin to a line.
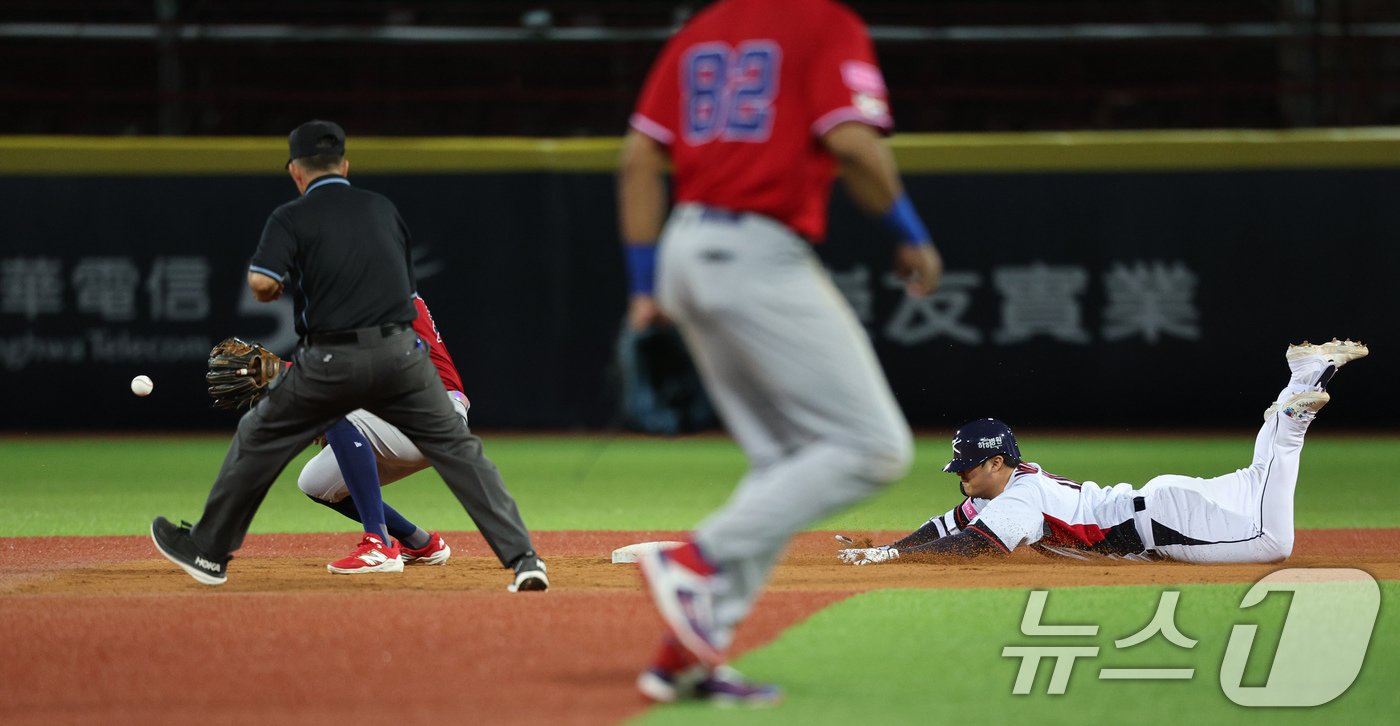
pixel 344 253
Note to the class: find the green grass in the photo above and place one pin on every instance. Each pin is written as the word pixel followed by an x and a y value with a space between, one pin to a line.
pixel 91 486
pixel 896 656
pixel 934 656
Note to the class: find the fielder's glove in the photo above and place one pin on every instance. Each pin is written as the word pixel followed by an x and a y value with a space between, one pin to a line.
pixel 868 555
pixel 240 372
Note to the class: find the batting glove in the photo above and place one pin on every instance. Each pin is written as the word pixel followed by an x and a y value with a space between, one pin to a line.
pixel 868 555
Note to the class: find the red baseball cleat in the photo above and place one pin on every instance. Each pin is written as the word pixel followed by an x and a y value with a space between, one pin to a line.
pixel 372 555
pixel 435 552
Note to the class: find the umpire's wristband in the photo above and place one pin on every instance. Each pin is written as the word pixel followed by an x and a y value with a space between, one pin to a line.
pixel 641 267
pixel 906 223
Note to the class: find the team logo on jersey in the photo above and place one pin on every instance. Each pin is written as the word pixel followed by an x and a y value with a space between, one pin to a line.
pixel 867 89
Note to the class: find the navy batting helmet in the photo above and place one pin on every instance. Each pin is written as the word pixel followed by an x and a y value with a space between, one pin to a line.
pixel 980 440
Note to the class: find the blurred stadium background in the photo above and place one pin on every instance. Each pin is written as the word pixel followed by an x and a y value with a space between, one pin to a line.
pixel 568 68
pixel 1171 267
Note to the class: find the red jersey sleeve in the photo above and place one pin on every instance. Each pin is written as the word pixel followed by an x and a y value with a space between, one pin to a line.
pixel 844 81
pixel 427 331
pixel 659 107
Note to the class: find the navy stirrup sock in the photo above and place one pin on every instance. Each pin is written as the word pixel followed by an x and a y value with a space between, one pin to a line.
pixel 361 472
pixel 399 528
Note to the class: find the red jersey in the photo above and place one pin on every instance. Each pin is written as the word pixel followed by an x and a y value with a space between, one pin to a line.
pixel 427 330
pixel 741 94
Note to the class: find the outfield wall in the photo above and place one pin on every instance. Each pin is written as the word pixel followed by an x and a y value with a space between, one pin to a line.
pixel 1094 279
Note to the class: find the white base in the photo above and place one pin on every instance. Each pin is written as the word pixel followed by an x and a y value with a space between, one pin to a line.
pixel 630 553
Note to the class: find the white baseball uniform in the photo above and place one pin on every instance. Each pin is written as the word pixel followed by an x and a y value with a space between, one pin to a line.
pixel 1243 516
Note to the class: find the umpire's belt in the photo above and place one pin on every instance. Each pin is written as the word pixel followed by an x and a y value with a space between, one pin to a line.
pixel 366 336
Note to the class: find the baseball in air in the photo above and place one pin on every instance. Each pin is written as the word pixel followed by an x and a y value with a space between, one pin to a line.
pixel 142 385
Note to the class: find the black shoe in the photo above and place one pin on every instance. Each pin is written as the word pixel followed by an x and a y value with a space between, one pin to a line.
pixel 177 546
pixel 529 574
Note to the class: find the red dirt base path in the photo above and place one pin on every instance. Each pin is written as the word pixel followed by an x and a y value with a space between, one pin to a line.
pixel 103 630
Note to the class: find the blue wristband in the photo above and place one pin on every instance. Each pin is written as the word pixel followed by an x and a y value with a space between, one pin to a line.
pixel 641 267
pixel 906 223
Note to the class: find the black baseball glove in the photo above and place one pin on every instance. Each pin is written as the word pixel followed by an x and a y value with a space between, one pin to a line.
pixel 239 373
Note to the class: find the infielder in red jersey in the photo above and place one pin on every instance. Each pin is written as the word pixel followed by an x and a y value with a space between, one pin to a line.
pixel 758 105
pixel 1243 516
pixel 367 452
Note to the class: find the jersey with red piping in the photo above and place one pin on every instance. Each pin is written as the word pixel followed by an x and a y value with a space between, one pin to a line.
pixel 741 95
pixel 956 519
pixel 1061 516
pixel 427 331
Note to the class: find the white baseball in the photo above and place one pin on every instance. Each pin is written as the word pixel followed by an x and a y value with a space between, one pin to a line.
pixel 142 385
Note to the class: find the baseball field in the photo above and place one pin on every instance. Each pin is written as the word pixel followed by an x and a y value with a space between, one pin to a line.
pixel 95 627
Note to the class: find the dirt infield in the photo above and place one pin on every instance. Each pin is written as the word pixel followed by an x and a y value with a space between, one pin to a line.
pixel 100 629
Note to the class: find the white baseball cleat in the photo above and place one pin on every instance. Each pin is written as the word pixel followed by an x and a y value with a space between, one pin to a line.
pixel 1305 355
pixel 1301 406
pixel 1323 359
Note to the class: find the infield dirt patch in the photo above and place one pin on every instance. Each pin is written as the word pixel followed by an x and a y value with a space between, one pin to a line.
pixel 103 630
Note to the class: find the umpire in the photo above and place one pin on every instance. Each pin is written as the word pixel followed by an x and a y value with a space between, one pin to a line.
pixel 349 256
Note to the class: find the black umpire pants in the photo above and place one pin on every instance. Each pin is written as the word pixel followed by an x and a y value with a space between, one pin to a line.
pixel 390 376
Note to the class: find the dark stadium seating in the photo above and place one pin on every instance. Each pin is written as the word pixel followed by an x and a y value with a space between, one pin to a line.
pixel 565 68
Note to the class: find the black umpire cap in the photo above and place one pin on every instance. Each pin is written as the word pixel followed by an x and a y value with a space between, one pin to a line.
pixel 316 137
pixel 980 440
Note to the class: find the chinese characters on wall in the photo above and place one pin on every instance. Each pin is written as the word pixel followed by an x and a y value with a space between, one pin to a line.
pixel 1143 301
pixel 105 307
pixel 177 288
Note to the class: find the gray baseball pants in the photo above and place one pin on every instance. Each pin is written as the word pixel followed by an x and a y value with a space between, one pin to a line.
pixel 391 377
pixel 794 378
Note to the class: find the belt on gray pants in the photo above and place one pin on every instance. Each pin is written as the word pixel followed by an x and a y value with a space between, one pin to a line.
pixel 694 211
pixel 719 214
pixel 358 335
